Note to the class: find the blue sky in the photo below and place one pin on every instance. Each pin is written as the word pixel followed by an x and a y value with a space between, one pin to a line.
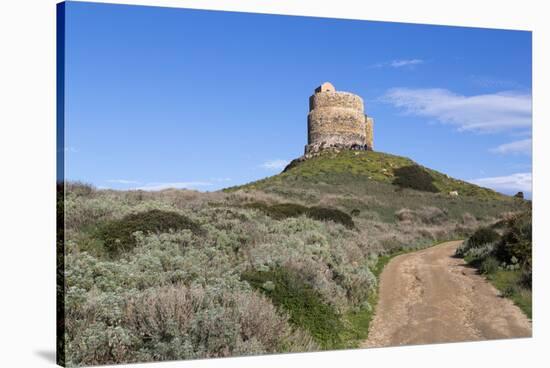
pixel 161 97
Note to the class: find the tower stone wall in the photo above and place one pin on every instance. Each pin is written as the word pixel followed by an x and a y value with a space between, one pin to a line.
pixel 337 120
pixel 369 132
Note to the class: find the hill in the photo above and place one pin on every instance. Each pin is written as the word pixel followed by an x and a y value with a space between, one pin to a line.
pixel 336 168
pixel 379 183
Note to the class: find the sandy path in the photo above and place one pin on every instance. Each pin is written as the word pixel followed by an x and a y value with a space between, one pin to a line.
pixel 431 297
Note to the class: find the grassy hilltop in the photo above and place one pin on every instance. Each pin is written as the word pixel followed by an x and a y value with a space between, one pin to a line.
pixel 379 184
pixel 360 168
pixel 288 263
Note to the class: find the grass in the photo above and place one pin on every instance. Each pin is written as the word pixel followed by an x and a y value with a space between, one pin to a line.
pixel 363 182
pixel 356 325
pixel 375 166
pixel 304 305
pixel 507 282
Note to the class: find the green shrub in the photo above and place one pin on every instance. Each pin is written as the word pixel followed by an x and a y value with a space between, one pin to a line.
pixel 117 235
pixel 281 211
pixel 304 305
pixel 506 259
pixel 516 241
pixel 414 177
pixel 488 266
pixel 482 236
pixel 475 256
pixel 284 210
pixel 526 278
pixel 330 214
pixel 511 290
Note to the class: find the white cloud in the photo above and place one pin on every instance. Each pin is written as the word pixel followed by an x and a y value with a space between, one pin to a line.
pixel 122 181
pixel 175 185
pixel 522 147
pixel 274 164
pixel 400 63
pixel 405 62
pixel 482 113
pixel 511 183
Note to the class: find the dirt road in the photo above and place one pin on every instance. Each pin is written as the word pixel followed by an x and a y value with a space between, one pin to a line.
pixel 431 297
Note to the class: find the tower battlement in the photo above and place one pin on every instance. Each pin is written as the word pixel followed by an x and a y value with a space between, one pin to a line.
pixel 336 119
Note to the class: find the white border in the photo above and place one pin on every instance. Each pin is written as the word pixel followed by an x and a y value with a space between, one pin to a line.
pixel 27 197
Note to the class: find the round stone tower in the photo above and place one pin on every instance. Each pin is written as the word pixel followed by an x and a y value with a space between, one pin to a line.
pixel 337 120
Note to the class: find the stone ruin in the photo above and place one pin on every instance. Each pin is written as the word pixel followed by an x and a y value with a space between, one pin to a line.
pixel 337 120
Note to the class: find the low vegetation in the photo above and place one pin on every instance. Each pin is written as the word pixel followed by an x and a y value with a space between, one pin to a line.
pixel 479 239
pixel 303 303
pixel 285 264
pixel 118 235
pixel 284 210
pixel 504 257
pixel 414 177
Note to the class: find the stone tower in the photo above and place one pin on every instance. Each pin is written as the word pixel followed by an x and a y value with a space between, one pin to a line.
pixel 337 120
